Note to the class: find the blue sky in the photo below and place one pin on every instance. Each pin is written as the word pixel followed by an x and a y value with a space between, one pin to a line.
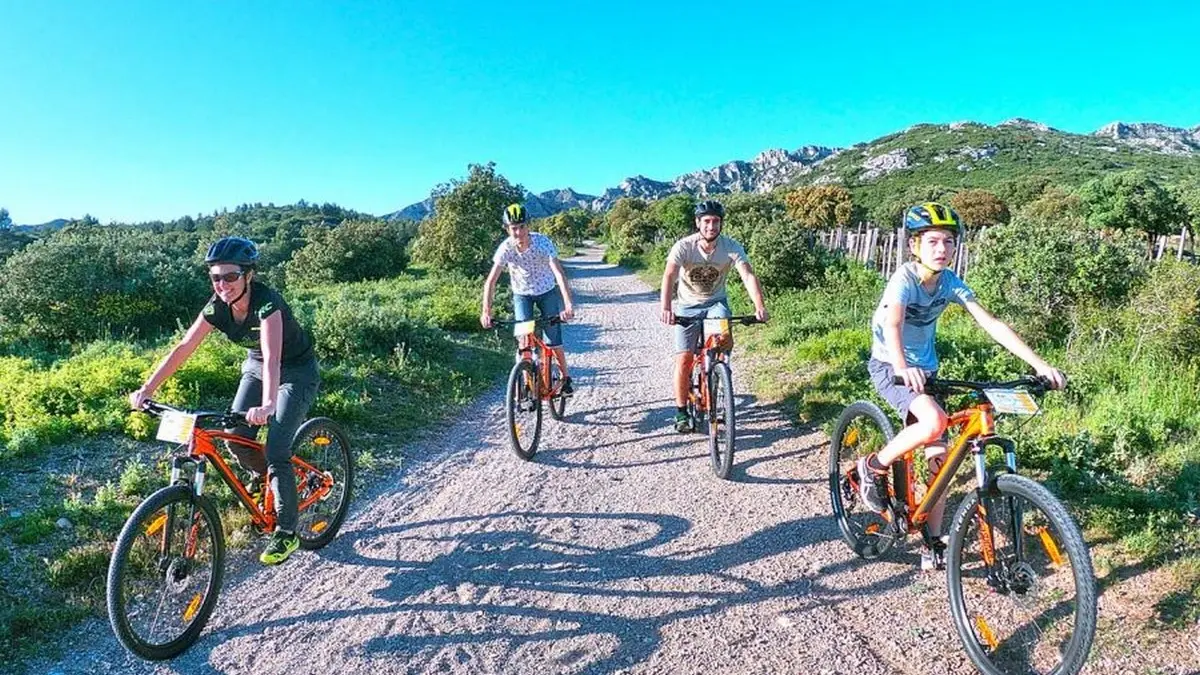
pixel 134 111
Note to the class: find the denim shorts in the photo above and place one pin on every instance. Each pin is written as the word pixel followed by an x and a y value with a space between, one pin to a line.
pixel 550 304
pixel 688 338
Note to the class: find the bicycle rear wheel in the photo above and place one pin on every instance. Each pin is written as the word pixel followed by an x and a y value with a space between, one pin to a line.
pixel 165 573
pixel 721 425
pixel 324 478
pixel 1023 598
pixel 862 429
pixel 524 410
pixel 558 402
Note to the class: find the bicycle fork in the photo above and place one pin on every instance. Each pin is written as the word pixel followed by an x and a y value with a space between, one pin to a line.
pixel 998 569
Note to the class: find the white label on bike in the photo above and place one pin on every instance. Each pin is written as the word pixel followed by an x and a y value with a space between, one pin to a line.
pixel 716 326
pixel 176 427
pixel 1012 401
pixel 523 328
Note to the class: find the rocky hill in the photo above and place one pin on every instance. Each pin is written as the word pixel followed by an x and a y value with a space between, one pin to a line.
pixel 960 154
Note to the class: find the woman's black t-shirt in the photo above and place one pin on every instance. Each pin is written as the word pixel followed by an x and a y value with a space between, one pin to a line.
pixel 264 301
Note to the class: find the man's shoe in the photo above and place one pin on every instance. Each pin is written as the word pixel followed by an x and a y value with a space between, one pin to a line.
pixel 872 486
pixel 683 423
pixel 567 389
pixel 279 547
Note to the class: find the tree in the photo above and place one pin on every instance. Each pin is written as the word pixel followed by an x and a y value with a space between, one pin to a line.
pixel 1188 196
pixel 1017 192
pixel 466 226
pixel 1130 200
pixel 630 230
pixel 1056 206
pixel 565 228
pixel 5 220
pixel 748 212
pixel 674 216
pixel 821 206
pixel 980 208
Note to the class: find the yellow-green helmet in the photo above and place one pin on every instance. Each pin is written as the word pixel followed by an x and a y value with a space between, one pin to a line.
pixel 514 214
pixel 932 216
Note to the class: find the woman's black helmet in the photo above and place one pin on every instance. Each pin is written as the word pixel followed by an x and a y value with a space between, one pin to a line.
pixel 232 251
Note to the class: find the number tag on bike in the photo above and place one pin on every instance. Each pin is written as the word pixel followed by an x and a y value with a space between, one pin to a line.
pixel 716 327
pixel 176 427
pixel 1012 401
pixel 523 328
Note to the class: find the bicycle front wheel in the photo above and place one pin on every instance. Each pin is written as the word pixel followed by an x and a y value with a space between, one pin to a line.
pixel 721 420
pixel 524 410
pixel 1022 590
pixel 861 430
pixel 165 573
pixel 324 480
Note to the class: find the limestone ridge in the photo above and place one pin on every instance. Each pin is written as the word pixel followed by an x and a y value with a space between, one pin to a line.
pixel 1159 137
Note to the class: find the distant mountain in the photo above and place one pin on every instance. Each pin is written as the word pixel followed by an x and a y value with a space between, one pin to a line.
pixel 56 224
pixel 960 154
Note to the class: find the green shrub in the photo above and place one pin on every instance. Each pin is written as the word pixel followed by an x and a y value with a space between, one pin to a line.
pixel 91 282
pixel 355 250
pixel 81 566
pixel 1033 275
pixel 463 233
pixel 785 257
pixel 1163 317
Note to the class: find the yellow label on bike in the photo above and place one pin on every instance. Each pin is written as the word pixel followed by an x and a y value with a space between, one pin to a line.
pixel 1012 401
pixel 716 326
pixel 523 328
pixel 176 427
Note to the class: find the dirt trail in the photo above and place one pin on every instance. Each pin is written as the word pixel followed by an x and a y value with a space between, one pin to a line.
pixel 615 550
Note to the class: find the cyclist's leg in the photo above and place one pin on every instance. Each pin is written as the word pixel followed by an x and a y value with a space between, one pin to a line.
pixel 297 392
pixel 550 304
pixel 687 344
pixel 935 456
pixel 249 394
pixel 928 423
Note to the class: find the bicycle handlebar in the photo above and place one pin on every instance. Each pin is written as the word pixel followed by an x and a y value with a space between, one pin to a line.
pixel 225 419
pixel 747 320
pixel 1035 384
pixel 540 321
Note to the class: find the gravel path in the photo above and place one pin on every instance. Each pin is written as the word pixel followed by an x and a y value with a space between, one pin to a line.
pixel 615 550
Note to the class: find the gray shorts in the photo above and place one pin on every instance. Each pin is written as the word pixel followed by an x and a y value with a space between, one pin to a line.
pixel 687 338
pixel 897 395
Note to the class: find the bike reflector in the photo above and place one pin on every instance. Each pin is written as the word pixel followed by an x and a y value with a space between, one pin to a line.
pixel 523 328
pixel 1012 401
pixel 176 427
pixel 716 326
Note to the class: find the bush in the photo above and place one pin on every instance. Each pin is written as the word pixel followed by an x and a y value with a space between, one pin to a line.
pixel 356 250
pixel 1164 315
pixel 86 283
pixel 1033 275
pixel 348 329
pixel 463 233
pixel 785 257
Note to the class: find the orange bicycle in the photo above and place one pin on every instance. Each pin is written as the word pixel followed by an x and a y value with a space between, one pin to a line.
pixel 710 392
pixel 167 564
pixel 535 377
pixel 1019 575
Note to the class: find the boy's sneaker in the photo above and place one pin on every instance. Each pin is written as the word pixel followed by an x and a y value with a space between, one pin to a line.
pixel 567 389
pixel 683 423
pixel 872 486
pixel 279 547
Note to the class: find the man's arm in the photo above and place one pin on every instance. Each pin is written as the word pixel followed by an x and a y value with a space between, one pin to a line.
pixel 489 290
pixel 670 276
pixel 754 288
pixel 560 277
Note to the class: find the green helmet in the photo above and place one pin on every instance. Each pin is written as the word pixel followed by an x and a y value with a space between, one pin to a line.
pixel 514 214
pixel 932 216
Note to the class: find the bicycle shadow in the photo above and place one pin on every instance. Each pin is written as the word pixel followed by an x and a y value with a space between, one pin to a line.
pixel 551 557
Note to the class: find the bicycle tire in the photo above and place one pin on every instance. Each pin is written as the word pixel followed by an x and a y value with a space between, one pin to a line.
pixel 129 556
pixel 558 402
pixel 321 443
pixel 1043 551
pixel 519 394
pixel 861 429
pixel 721 422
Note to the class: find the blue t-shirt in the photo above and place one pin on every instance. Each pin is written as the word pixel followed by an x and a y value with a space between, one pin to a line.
pixel 921 312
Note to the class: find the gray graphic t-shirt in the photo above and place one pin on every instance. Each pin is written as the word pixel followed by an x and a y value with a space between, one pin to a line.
pixel 702 276
pixel 921 312
pixel 529 270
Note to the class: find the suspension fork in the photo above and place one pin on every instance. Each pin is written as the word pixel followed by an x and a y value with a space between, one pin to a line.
pixel 987 492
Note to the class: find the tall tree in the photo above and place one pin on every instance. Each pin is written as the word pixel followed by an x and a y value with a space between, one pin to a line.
pixel 465 228
pixel 980 208
pixel 821 206
pixel 1130 200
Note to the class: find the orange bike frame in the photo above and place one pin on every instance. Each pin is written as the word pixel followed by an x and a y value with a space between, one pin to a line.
pixel 526 345
pixel 714 344
pixel 203 447
pixel 974 422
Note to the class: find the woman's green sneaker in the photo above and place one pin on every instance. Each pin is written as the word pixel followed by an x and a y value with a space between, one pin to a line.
pixel 279 547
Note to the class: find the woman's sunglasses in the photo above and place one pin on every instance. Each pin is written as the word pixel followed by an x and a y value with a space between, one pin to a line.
pixel 228 277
